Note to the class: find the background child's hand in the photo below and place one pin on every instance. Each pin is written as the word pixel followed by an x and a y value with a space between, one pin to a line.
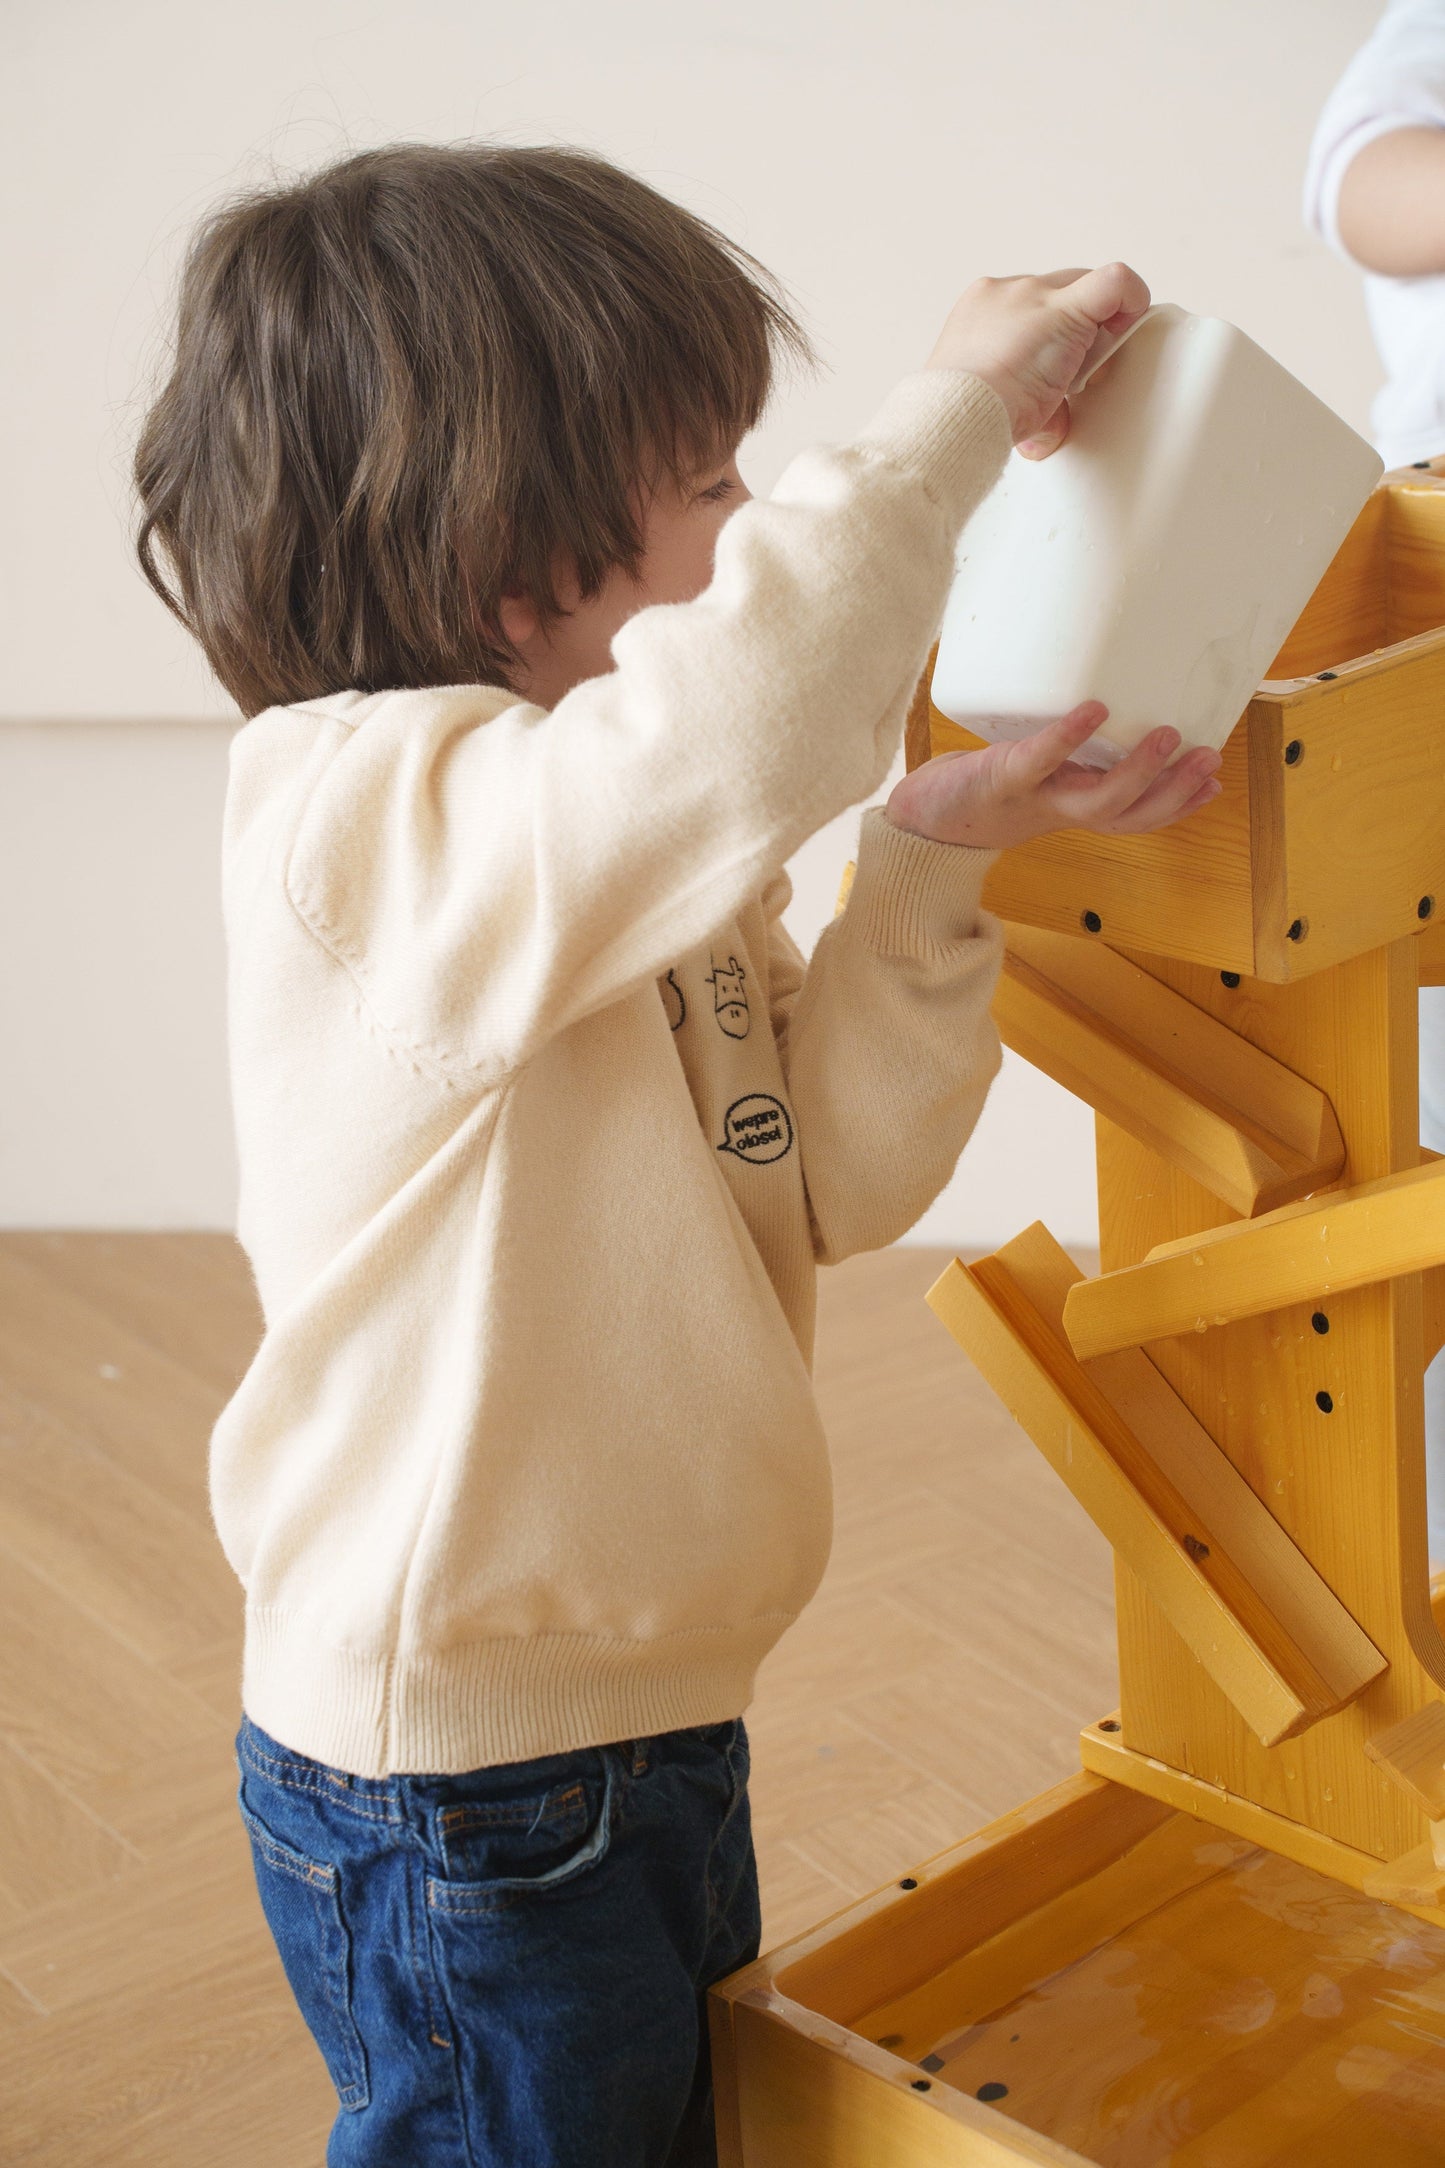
pixel 1024 787
pixel 1030 337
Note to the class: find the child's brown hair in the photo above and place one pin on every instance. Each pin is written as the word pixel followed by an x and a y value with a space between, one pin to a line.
pixel 423 377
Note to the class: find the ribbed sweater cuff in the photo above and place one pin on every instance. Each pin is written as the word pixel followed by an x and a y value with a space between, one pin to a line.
pixel 950 429
pixel 911 895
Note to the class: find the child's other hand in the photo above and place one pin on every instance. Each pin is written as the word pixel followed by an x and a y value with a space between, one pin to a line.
pixel 1024 787
pixel 1030 337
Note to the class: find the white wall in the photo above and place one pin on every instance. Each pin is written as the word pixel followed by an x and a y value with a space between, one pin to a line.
pixel 877 157
pixel 113 1107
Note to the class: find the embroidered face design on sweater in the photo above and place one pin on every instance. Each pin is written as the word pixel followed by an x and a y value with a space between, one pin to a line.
pixel 729 997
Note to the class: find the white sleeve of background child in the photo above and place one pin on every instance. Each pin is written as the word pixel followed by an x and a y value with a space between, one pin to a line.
pixel 490 881
pixel 1396 80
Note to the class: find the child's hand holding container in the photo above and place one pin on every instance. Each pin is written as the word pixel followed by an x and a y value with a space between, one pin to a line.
pixel 1034 341
pixel 1158 561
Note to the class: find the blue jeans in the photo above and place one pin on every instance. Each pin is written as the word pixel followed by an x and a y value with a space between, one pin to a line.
pixel 508 1969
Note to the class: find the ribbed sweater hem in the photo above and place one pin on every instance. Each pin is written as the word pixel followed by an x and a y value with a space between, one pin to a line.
pixel 484 1702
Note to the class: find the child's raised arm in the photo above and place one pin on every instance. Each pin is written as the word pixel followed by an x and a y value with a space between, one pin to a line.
pixel 525 868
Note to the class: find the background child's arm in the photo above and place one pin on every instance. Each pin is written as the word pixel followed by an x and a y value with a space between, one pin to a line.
pixel 1375 182
pixel 1391 210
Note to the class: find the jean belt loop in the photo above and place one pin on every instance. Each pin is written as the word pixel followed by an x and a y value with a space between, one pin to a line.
pixel 639 1757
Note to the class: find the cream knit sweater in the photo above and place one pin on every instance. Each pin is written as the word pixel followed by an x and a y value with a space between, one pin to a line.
pixel 543 1125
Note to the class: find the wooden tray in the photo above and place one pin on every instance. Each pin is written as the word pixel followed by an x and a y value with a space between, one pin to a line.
pixel 1094 1978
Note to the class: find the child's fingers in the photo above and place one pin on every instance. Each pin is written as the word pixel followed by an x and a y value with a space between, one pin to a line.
pixel 1112 290
pixel 1099 797
pixel 1048 436
pixel 1165 816
pixel 1033 760
pixel 1189 782
pixel 1110 301
pixel 1206 795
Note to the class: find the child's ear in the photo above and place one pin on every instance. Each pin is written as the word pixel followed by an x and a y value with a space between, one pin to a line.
pixel 517 616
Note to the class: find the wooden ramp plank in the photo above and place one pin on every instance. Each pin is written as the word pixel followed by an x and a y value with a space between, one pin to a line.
pixel 1379 1230
pixel 1225 1112
pixel 1248 1603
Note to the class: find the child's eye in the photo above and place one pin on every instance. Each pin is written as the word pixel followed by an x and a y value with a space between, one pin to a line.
pixel 718 491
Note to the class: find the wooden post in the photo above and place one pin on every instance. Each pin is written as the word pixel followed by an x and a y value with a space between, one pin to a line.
pixel 1295 918
pixel 1236 1401
pixel 1317 1404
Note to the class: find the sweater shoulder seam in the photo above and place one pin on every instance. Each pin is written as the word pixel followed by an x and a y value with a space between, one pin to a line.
pixel 421 1056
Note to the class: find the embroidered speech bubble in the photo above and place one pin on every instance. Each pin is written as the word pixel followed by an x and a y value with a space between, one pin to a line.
pixel 757 1129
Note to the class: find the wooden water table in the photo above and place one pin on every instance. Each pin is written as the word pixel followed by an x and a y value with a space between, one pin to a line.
pixel 1222 1943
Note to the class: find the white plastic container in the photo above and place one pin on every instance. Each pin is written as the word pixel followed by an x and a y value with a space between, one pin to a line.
pixel 1157 560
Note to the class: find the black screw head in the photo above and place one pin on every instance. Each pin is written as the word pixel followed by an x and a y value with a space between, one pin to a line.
pixel 1326 677
pixel 909 1882
pixel 1420 463
pixel 1424 907
pixel 1229 978
pixel 923 2085
pixel 1293 753
pixel 992 2091
pixel 1320 1322
pixel 1297 929
pixel 1325 1403
pixel 1109 1723
pixel 1195 1548
pixel 1093 922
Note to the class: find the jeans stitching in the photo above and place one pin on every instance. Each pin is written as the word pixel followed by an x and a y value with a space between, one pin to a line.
pixel 740 1791
pixel 315 1873
pixel 428 1987
pixel 319 1875
pixel 346 2020
pixel 505 1815
pixel 271 1770
pixel 437 1999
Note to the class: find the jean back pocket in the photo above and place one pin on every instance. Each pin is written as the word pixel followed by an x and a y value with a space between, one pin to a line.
pixel 301 1899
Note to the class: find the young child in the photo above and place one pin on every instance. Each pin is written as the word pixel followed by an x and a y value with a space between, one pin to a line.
pixel 1375 191
pixel 543 1125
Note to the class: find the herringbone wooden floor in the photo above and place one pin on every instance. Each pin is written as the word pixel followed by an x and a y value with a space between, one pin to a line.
pixel 963 1634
